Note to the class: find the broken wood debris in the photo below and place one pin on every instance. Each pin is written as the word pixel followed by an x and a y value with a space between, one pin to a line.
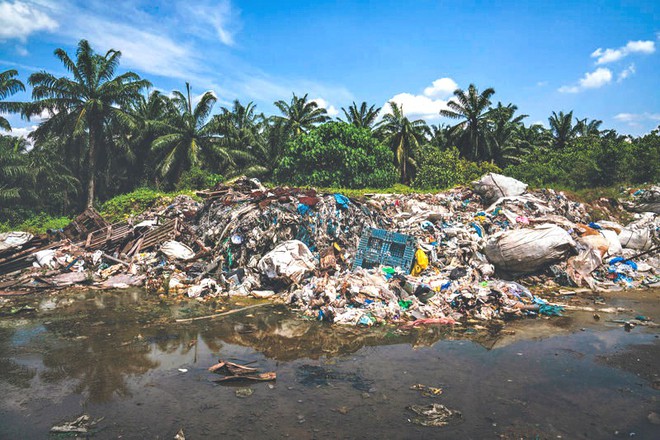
pixel 234 372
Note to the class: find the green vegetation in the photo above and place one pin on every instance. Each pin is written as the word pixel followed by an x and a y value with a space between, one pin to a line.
pixel 446 169
pixel 38 224
pixel 126 205
pixel 106 139
pixel 336 154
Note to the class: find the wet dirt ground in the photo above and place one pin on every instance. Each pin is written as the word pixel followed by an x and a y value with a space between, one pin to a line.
pixel 121 358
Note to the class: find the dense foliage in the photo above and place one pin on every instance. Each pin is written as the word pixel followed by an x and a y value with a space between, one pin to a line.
pixel 104 136
pixel 592 161
pixel 443 169
pixel 337 154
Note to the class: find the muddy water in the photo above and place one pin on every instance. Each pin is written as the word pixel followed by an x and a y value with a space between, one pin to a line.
pixel 117 356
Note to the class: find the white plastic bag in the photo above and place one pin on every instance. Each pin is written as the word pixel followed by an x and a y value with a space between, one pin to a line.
pixel 176 250
pixel 492 186
pixel 291 259
pixel 638 239
pixel 13 240
pixel 528 250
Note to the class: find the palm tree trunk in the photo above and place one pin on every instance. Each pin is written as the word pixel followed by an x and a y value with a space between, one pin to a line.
pixel 91 164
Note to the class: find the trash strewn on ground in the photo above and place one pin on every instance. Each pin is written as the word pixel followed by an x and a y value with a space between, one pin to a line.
pixel 435 415
pixel 417 259
pixel 81 425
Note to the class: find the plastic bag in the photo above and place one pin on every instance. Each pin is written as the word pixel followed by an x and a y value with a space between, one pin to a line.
pixel 492 186
pixel 13 240
pixel 176 250
pixel 291 259
pixel 528 250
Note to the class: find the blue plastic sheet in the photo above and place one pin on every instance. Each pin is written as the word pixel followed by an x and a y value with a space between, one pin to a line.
pixel 342 201
pixel 303 209
pixel 616 260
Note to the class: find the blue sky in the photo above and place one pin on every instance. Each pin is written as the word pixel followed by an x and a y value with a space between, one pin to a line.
pixel 600 59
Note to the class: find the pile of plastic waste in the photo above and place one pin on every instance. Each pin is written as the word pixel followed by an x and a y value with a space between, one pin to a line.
pixel 463 254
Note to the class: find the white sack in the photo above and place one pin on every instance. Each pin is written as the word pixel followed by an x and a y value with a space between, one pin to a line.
pixel 614 244
pixel 13 240
pixel 176 250
pixel 528 250
pixel 492 186
pixel 45 258
pixel 291 259
pixel 638 239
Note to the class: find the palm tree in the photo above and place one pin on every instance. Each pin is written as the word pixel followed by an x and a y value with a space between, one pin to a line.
pixel 440 136
pixel 267 154
pixel 562 128
pixel 83 107
pixel 189 137
pixel 14 168
pixel 472 134
pixel 241 130
pixel 363 117
pixel 57 186
pixel 504 127
pixel 9 85
pixel 146 113
pixel 536 136
pixel 239 126
pixel 590 128
pixel 301 115
pixel 404 137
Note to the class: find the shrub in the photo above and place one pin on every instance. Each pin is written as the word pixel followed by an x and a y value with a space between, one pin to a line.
pixel 592 162
pixel 337 154
pixel 197 178
pixel 441 169
pixel 37 224
pixel 123 206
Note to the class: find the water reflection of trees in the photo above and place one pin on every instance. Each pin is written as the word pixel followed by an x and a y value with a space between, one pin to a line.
pixel 12 372
pixel 100 350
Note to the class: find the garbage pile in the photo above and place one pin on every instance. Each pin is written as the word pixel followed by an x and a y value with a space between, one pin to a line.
pixel 645 200
pixel 464 254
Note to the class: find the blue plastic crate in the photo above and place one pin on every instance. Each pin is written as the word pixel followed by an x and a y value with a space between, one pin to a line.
pixel 378 246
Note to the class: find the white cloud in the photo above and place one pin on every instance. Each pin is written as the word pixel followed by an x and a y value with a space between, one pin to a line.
pixel 639 122
pixel 568 89
pixel 542 83
pixel 20 19
pixel 23 131
pixel 596 79
pixel 418 105
pixel 632 118
pixel 150 52
pixel 331 109
pixel 604 56
pixel 625 73
pixel 441 88
pixel 220 17
pixel 591 80
pixel 428 104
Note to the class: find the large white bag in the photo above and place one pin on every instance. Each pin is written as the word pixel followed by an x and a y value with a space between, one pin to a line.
pixel 291 259
pixel 492 186
pixel 528 250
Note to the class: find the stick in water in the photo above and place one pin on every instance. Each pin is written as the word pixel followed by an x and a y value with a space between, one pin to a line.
pixel 217 315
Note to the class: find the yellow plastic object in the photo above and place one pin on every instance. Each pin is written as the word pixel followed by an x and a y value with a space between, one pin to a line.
pixel 421 263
